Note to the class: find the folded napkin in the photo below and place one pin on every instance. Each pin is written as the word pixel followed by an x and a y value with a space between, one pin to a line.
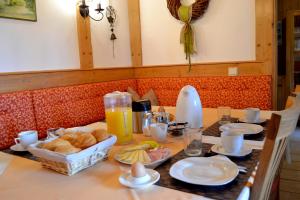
pixel 4 162
pixel 245 194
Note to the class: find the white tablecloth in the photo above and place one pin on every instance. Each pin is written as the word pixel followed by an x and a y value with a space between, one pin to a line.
pixel 26 179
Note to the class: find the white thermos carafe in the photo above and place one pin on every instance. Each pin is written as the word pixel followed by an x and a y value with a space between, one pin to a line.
pixel 189 107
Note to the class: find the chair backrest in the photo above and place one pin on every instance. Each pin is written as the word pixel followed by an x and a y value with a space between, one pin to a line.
pixel 265 158
pixel 281 125
pixel 291 101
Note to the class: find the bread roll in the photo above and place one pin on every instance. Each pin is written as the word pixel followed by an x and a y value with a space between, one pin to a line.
pixel 54 144
pixel 171 117
pixel 71 137
pixel 60 132
pixel 85 140
pixel 100 134
pixel 66 149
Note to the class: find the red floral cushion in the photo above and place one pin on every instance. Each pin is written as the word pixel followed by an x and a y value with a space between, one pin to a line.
pixel 73 105
pixel 236 92
pixel 16 115
pixel 83 104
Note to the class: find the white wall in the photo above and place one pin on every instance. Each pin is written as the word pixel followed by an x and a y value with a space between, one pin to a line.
pixel 48 44
pixel 102 45
pixel 225 33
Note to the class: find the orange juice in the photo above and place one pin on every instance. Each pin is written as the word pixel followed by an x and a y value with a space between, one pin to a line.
pixel 119 123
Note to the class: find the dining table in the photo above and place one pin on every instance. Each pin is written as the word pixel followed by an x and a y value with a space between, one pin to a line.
pixel 22 178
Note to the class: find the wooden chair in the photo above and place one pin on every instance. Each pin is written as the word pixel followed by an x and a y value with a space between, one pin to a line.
pixel 291 100
pixel 281 125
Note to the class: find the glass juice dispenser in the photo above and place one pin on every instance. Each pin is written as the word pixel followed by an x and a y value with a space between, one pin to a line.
pixel 118 114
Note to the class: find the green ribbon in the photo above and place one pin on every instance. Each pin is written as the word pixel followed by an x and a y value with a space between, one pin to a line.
pixel 187 37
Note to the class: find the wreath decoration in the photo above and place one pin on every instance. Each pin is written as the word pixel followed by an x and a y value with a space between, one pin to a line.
pixel 187 14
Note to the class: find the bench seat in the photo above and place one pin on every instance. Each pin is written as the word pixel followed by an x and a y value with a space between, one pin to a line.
pixel 83 104
pixel 237 92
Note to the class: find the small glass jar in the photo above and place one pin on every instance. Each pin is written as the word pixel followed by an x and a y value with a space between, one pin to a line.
pixel 224 115
pixel 192 141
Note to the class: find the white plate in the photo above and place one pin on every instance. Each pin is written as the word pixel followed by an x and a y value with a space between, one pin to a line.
pixel 17 147
pixel 217 148
pixel 243 128
pixel 150 165
pixel 126 179
pixel 261 120
pixel 208 171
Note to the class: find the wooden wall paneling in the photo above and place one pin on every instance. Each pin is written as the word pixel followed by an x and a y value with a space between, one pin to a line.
pixel 274 56
pixel 135 32
pixel 266 40
pixel 280 9
pixel 284 8
pixel 36 80
pixel 290 46
pixel 84 41
pixel 208 69
pixel 286 5
pixel 260 26
pixel 289 53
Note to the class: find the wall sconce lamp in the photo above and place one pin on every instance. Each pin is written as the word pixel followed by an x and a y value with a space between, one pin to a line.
pixel 85 11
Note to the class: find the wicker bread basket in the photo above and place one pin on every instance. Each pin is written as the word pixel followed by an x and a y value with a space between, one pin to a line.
pixel 71 164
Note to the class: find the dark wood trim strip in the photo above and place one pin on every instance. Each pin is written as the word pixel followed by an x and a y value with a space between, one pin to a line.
pixel 220 69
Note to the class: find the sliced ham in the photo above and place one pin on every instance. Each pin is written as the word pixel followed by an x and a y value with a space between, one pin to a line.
pixel 159 154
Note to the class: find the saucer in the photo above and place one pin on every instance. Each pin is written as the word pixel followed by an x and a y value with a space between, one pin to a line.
pixel 217 148
pixel 127 180
pixel 17 147
pixel 259 121
pixel 243 128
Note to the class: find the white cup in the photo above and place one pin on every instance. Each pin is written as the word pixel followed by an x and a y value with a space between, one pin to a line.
pixel 252 115
pixel 26 138
pixel 232 141
pixel 159 131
